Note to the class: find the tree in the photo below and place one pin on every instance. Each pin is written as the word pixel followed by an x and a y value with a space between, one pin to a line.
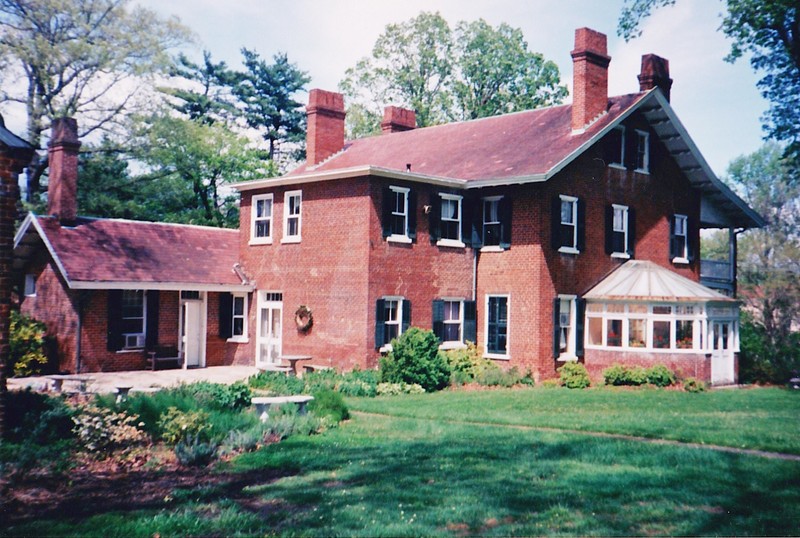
pixel 266 94
pixel 199 160
pixel 215 101
pixel 474 72
pixel 769 261
pixel 770 32
pixel 78 57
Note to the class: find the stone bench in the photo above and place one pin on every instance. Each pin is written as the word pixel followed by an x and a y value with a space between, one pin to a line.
pixel 263 404
pixel 81 381
pixel 316 368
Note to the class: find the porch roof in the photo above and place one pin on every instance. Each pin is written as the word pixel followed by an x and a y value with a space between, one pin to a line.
pixel 641 280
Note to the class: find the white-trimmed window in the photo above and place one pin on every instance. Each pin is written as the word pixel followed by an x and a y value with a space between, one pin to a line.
pixel 399 214
pixel 261 219
pixel 453 321
pixel 569 224
pixel 133 318
pixel 642 151
pixel 567 321
pixel 679 242
pixel 450 224
pixel 492 226
pixel 619 235
pixel 30 285
pixel 497 323
pixel 393 317
pixel 239 317
pixel 617 147
pixel 292 216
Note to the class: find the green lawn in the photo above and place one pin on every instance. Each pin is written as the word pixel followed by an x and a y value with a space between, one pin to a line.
pixel 439 475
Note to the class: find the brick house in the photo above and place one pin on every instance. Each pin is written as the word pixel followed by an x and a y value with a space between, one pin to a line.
pixel 111 291
pixel 564 233
pixel 551 235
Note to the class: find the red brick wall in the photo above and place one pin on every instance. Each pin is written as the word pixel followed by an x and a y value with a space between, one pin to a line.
pixel 697 365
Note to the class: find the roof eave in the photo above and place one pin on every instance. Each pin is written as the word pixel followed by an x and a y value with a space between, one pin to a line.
pixel 24 229
pixel 162 286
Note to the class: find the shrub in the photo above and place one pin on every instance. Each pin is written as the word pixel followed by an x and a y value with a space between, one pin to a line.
pixel 691 384
pixel 195 452
pixel 395 389
pixel 660 376
pixel 496 377
pixel 217 396
pixel 243 440
pixel 32 417
pixel 573 375
pixel 329 404
pixel 177 425
pixel 99 429
pixel 415 358
pixel 284 421
pixel 469 365
pixel 615 375
pixel 277 383
pixel 550 384
pixel 27 353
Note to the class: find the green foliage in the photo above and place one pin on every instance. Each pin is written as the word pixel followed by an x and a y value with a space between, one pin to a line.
pixel 396 389
pixel 277 383
pixel 211 104
pixel 27 353
pixel 415 358
pixel 691 384
pixel 194 451
pixel 284 421
pixel 32 417
pixel 620 375
pixel 328 404
pixel 217 396
pixel 474 72
pixel 660 376
pixel 100 429
pixel 468 365
pixel 573 375
pixel 177 425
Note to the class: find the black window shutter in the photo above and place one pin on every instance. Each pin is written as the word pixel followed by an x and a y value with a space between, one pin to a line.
pixel 579 320
pixel 406 315
pixel 151 334
pixel 466 221
pixel 673 240
pixel 609 229
pixel 631 246
pixel 438 319
pixel 386 211
pixel 691 242
pixel 412 214
pixel 556 327
pixel 470 322
pixel 225 315
pixel 477 223
pixel 435 218
pixel 114 330
pixel 581 225
pixel 380 333
pixel 555 223
pixel 504 209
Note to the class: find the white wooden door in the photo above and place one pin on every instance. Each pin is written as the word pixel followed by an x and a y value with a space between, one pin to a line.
pixel 270 323
pixel 192 334
pixel 721 352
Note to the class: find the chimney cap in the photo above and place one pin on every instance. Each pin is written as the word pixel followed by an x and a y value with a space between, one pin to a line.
pixel 655 74
pixel 397 119
pixel 64 131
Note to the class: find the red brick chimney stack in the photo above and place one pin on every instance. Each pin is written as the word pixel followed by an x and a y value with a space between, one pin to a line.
pixel 325 134
pixel 397 120
pixel 62 192
pixel 590 61
pixel 655 74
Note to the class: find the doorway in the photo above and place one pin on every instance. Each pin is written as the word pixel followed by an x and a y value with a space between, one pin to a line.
pixel 270 323
pixel 192 329
pixel 722 346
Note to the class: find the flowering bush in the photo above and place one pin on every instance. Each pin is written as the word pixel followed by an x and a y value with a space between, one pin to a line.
pixel 27 345
pixel 100 429
pixel 177 426
pixel 394 389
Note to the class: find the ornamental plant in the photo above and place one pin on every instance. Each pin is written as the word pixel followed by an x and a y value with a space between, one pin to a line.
pixel 27 345
pixel 573 375
pixel 415 358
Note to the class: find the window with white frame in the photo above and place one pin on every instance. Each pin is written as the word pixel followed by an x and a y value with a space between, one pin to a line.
pixel 30 285
pixel 239 316
pixel 617 147
pixel 680 239
pixel 392 318
pixel 450 215
pixel 292 201
pixel 261 219
pixel 133 318
pixel 453 321
pixel 497 326
pixel 569 224
pixel 399 213
pixel 642 151
pixel 492 225
pixel 619 237
pixel 566 326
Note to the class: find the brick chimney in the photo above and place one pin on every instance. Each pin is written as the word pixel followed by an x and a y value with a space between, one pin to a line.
pixel 397 120
pixel 62 191
pixel 325 134
pixel 590 61
pixel 655 74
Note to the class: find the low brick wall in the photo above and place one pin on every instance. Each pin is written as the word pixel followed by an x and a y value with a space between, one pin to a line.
pixel 697 365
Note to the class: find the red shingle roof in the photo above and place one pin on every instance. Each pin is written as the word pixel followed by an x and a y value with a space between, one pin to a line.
pixel 522 144
pixel 111 250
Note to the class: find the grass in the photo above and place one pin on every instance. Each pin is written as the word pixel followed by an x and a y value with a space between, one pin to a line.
pixel 438 475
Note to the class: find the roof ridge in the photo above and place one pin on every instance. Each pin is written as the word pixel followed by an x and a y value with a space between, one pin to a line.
pixel 158 223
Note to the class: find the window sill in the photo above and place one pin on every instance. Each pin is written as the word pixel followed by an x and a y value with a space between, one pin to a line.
pixel 569 250
pixel 260 241
pixel 621 255
pixel 493 248
pixel 681 260
pixel 445 346
pixel 238 340
pixel 386 348
pixel 642 171
pixel 130 350
pixel 404 239
pixel 450 243
pixel 617 166
pixel 291 240
pixel 496 356
pixel 567 357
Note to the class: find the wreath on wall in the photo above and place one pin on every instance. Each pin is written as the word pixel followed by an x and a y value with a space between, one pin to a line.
pixel 303 318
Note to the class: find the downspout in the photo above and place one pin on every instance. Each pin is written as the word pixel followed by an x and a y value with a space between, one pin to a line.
pixel 78 340
pixel 475 274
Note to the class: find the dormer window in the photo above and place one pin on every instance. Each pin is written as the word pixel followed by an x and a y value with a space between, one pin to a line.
pixel 616 151
pixel 642 152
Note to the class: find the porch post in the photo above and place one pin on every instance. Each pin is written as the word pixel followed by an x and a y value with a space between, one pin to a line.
pixel 732 255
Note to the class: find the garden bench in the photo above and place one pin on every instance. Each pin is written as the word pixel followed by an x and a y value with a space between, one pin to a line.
pixel 263 404
pixel 163 355
pixel 81 380
pixel 275 368
pixel 315 368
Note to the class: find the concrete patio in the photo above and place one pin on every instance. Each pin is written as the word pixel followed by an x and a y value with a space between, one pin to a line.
pixel 141 380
